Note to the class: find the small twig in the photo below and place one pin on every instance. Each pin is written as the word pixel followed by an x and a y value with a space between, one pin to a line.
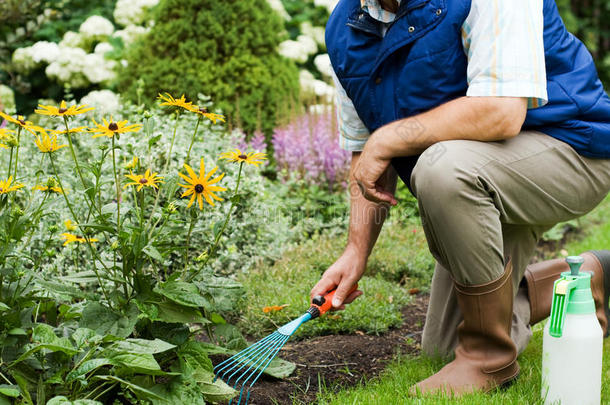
pixel 326 365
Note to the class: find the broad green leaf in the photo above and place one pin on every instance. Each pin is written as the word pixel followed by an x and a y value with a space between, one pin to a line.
pixel 105 321
pixel 5 400
pixel 85 336
pixel 61 400
pixel 83 277
pixel 195 356
pixel 44 337
pixel 136 389
pixel 217 391
pixel 142 346
pixel 12 391
pixel 17 332
pixel 178 392
pixel 152 252
pixel 87 367
pixel 4 307
pixel 183 293
pixel 137 362
pixel 171 312
pixel 61 289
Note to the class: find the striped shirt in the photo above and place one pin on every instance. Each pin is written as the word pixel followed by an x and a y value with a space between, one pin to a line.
pixel 503 40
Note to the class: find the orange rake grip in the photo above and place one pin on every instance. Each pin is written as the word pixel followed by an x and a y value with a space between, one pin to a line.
pixel 323 303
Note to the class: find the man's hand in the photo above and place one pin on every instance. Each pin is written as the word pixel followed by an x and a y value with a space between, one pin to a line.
pixel 369 171
pixel 343 275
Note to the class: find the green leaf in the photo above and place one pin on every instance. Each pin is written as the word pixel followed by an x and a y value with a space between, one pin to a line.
pixel 217 228
pixel 17 332
pixel 105 321
pixel 171 312
pixel 178 392
pixel 152 252
pixel 280 368
pixel 136 389
pixel 61 289
pixel 217 391
pixel 83 277
pixel 12 391
pixel 61 400
pixel 87 367
pixel 195 356
pixel 136 362
pixel 142 346
pixel 5 401
pixel 85 336
pixel 44 337
pixel 183 293
pixel 4 307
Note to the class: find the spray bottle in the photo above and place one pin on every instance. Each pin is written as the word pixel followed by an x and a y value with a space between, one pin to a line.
pixel 573 342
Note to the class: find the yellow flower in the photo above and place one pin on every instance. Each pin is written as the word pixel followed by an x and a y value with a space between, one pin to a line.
pixel 72 130
pixel 71 238
pixel 112 128
pixel 201 186
pixel 5 134
pixel 168 100
pixel 50 186
pixel 63 110
pixel 27 125
pixel 47 144
pixel 6 186
pixel 131 165
pixel 70 226
pixel 148 180
pixel 204 111
pixel 252 158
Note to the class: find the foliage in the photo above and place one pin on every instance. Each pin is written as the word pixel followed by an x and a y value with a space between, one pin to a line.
pixel 227 52
pixel 119 327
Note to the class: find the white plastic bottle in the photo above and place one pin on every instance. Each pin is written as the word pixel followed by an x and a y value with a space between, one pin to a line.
pixel 573 342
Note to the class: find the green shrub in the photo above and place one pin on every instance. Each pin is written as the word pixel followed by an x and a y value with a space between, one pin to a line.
pixel 226 50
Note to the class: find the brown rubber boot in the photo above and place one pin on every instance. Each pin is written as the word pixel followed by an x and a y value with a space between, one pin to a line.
pixel 486 356
pixel 540 278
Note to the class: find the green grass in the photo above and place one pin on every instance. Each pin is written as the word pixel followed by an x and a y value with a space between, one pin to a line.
pixel 401 256
pixel 392 386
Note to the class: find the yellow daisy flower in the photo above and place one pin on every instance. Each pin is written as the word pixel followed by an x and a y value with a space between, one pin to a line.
pixel 72 130
pixel 71 238
pixel 252 158
pixel 148 179
pixel 6 186
pixel 202 186
pixel 47 144
pixel 112 128
pixel 204 111
pixel 168 100
pixel 70 226
pixel 50 186
pixel 63 110
pixel 21 121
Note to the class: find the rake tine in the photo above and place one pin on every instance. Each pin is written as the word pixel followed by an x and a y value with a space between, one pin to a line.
pixel 262 369
pixel 255 367
pixel 248 360
pixel 237 359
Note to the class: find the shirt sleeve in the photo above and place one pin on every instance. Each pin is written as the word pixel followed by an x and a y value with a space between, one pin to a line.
pixel 504 41
pixel 353 134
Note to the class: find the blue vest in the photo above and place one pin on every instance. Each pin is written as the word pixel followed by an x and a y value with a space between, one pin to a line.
pixel 420 64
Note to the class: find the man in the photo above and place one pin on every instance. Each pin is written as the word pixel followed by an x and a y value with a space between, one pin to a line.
pixel 494 116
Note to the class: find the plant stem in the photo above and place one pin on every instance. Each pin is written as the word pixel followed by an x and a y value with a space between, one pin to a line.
pixel 188 155
pixel 188 242
pixel 78 170
pixel 118 192
pixel 224 225
pixel 10 164
pixel 17 153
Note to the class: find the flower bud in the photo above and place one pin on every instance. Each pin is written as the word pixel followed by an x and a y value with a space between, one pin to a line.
pixel 11 141
pixel 53 228
pixel 115 245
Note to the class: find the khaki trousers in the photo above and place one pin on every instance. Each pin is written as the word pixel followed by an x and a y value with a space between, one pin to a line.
pixel 483 202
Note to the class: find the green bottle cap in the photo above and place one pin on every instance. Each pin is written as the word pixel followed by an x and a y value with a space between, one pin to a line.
pixel 571 295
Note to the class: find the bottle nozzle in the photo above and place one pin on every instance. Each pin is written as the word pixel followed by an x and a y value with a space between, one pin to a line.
pixel 575 262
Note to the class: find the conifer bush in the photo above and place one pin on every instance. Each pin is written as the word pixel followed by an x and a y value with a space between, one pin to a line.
pixel 223 49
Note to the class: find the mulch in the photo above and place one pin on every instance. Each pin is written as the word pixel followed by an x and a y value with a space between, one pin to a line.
pixel 340 360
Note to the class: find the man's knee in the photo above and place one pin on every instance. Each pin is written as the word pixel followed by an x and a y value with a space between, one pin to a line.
pixel 444 171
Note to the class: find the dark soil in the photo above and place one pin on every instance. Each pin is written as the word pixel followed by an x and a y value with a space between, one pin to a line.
pixel 340 360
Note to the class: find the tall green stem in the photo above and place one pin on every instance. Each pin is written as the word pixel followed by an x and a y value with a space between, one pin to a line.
pixel 78 170
pixel 188 155
pixel 10 164
pixel 118 192
pixel 224 225
pixel 188 243
pixel 17 153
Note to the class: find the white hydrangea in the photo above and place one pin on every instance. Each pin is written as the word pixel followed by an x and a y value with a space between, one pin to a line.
pixel 7 98
pixel 97 69
pixel 102 48
pixel 278 7
pixel 319 88
pixel 322 63
pixel 104 101
pixel 30 57
pixel 317 33
pixel 69 67
pixel 131 33
pixel 329 4
pixel 23 59
pixel 132 12
pixel 298 50
pixel 96 27
pixel 71 39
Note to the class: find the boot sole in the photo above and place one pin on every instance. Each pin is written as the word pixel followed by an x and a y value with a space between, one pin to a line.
pixel 604 259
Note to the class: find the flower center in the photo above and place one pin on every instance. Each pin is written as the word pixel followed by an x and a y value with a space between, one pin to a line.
pixel 1 190
pixel 62 110
pixel 203 110
pixel 22 122
pixel 143 181
pixel 199 189
pixel 243 157
pixel 113 126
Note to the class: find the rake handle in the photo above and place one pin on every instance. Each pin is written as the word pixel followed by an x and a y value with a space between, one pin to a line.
pixel 324 303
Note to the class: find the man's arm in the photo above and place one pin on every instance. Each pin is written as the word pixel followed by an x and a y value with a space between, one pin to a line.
pixel 366 221
pixel 471 118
